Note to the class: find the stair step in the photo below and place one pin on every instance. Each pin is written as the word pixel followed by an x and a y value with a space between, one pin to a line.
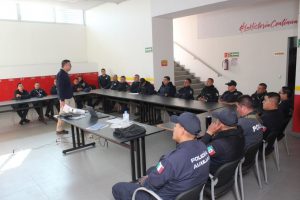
pixel 179 73
pixel 183 77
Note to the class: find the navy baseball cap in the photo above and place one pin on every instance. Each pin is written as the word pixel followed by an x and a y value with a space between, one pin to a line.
pixel 231 83
pixel 227 116
pixel 189 121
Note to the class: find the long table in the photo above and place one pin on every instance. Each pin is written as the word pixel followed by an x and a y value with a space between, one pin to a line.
pixel 150 103
pixel 135 144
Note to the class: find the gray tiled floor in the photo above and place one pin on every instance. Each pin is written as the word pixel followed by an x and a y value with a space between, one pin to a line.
pixel 45 173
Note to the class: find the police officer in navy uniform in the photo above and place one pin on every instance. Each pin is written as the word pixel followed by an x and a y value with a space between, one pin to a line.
pixel 22 109
pixel 209 93
pixel 134 88
pixel 167 89
pixel 115 83
pixel 123 85
pixel 258 97
pixel 52 102
pixel 250 121
pixel 176 172
pixel 232 94
pixel 146 88
pixel 186 92
pixel 224 139
pixel 104 80
pixel 39 93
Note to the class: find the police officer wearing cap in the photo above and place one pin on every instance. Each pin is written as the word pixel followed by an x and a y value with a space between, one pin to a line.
pixel 232 94
pixel 186 92
pixel 178 171
pixel 249 121
pixel 224 139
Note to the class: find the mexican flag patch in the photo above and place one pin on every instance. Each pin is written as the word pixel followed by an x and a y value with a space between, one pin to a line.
pixel 160 168
pixel 211 150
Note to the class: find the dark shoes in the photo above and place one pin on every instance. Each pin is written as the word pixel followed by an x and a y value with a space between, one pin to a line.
pixel 62 132
pixel 23 121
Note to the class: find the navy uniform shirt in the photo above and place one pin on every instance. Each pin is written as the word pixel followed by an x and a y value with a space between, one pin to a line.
pixel 231 97
pixel 123 87
pixel 209 93
pixel 64 86
pixel 114 85
pixel 168 90
pixel 272 120
pixel 24 95
pixel 180 170
pixel 38 93
pixel 224 147
pixel 253 129
pixel 186 93
pixel 104 81
pixel 147 89
pixel 77 88
pixel 285 107
pixel 134 88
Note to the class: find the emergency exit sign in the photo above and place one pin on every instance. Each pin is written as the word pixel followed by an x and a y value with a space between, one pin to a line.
pixel 231 54
pixel 148 49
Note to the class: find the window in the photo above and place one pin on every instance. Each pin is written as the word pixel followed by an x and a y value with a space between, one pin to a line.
pixel 8 11
pixel 36 12
pixel 71 16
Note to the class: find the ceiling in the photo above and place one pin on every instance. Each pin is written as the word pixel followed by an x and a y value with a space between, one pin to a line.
pixel 77 4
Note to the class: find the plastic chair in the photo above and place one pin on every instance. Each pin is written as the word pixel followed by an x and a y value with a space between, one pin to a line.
pixel 223 180
pixel 250 159
pixel 195 193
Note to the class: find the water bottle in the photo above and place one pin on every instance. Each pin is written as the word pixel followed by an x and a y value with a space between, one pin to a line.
pixel 126 116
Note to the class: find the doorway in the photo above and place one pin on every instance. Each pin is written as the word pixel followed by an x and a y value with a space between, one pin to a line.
pixel 291 63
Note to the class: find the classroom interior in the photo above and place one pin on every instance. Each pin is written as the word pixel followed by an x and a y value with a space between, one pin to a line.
pixel 246 41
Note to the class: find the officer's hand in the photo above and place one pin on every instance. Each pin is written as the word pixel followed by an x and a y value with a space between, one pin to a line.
pixel 142 180
pixel 213 128
pixel 18 95
pixel 62 104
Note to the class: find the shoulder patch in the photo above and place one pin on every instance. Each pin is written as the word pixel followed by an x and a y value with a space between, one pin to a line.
pixel 211 150
pixel 160 168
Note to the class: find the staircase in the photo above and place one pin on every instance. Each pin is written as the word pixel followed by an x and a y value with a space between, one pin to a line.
pixel 181 74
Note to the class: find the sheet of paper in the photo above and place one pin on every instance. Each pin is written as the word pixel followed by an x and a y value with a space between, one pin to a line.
pixel 97 127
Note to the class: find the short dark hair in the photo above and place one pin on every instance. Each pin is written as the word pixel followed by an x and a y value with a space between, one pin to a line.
pixel 286 90
pixel 123 77
pixel 274 96
pixel 103 69
pixel 142 80
pixel 245 100
pixel 211 79
pixel 167 77
pixel 137 75
pixel 19 84
pixel 264 85
pixel 189 80
pixel 64 62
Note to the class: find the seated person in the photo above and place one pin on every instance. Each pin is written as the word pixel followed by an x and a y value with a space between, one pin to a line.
pixel 123 85
pixel 38 92
pixel 271 117
pixel 186 92
pixel 177 171
pixel 224 139
pixel 209 93
pixel 115 83
pixel 22 109
pixel 134 88
pixel 286 105
pixel 258 97
pixel 167 89
pixel 249 121
pixel 231 95
pixel 104 80
pixel 53 102
pixel 86 87
pixel 78 88
pixel 146 88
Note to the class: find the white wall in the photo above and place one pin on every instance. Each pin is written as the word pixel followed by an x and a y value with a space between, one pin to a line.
pixel 117 35
pixel 257 62
pixel 34 49
pixel 162 49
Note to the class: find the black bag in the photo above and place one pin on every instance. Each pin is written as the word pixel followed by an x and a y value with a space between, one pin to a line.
pixel 131 131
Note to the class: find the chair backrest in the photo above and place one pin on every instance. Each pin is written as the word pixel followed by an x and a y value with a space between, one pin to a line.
pixel 250 154
pixel 192 194
pixel 225 173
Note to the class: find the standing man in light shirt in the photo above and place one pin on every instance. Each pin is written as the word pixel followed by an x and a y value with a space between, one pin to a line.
pixel 64 92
